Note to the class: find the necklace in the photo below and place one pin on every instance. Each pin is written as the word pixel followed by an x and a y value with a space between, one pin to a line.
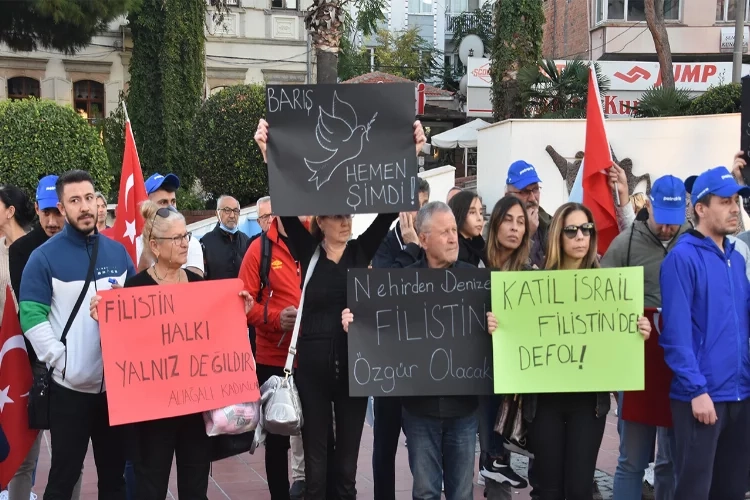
pixel 164 279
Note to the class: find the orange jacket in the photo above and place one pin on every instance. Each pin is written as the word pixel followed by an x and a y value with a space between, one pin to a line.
pixel 282 291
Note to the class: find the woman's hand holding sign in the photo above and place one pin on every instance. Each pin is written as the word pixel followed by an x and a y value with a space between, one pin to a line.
pixel 346 318
pixel 249 302
pixel 261 137
pixel 644 326
pixel 491 323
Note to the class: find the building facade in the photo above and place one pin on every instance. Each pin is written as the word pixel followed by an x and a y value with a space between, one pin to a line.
pixel 259 41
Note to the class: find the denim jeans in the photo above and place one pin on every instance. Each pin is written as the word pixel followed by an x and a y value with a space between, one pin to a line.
pixel 636 444
pixel 129 480
pixel 490 442
pixel 441 449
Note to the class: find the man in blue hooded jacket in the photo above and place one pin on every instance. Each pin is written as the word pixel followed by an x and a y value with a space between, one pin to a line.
pixel 705 301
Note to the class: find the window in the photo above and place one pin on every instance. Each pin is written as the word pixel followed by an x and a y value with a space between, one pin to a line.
pixel 22 87
pixel 633 10
pixel 420 6
pixel 284 4
pixel 88 99
pixel 725 10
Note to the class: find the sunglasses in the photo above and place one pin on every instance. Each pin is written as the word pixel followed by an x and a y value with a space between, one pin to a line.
pixel 572 231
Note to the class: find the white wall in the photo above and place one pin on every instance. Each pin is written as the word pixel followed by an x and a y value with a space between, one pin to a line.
pixel 680 146
pixel 441 179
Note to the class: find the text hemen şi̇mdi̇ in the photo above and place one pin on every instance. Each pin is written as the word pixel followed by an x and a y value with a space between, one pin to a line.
pixel 169 366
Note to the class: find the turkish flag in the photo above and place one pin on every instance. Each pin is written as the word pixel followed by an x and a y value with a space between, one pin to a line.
pixel 15 383
pixel 597 159
pixel 128 220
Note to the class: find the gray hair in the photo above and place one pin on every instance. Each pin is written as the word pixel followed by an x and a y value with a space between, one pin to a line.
pixel 265 199
pixel 100 195
pixel 424 216
pixel 224 197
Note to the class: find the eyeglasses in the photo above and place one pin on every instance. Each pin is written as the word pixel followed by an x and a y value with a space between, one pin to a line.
pixel 227 211
pixel 176 240
pixel 264 218
pixel 527 192
pixel 572 231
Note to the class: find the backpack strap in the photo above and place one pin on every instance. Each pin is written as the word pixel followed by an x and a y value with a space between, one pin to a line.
pixel 265 269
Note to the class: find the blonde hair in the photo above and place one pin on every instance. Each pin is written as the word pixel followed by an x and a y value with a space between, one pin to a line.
pixel 638 200
pixel 153 225
pixel 555 255
pixel 520 256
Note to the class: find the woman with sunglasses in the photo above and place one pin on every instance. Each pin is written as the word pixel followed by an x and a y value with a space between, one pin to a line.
pixel 566 429
pixel 322 373
pixel 154 443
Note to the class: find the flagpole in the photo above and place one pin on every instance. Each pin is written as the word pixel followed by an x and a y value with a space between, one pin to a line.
pixel 125 108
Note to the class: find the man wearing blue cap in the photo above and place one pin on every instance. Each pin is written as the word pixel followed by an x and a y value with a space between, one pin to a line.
pixel 646 243
pixel 51 222
pixel 705 297
pixel 162 189
pixel 523 182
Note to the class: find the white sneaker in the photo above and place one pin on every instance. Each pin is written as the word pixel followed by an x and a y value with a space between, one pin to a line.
pixel 4 495
pixel 442 488
pixel 33 496
pixel 480 480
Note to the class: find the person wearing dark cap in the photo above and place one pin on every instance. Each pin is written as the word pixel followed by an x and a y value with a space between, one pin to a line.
pixel 646 243
pixel 524 183
pixel 162 190
pixel 705 297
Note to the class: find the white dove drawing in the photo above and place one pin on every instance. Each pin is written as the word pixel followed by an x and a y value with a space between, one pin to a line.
pixel 338 133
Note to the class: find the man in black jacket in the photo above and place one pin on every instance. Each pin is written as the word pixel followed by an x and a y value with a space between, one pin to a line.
pixel 225 246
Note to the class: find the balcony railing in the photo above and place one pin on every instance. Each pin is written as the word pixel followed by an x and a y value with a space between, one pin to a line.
pixel 451 21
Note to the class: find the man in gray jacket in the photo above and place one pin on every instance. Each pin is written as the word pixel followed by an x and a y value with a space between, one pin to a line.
pixel 646 243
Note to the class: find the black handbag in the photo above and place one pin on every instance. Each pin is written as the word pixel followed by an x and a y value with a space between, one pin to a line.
pixel 228 445
pixel 39 400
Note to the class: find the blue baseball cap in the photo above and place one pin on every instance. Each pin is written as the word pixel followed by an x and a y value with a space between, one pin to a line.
pixel 718 181
pixel 156 181
pixel 521 174
pixel 668 200
pixel 46 192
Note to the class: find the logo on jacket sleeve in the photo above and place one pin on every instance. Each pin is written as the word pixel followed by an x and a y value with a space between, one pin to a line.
pixel 276 264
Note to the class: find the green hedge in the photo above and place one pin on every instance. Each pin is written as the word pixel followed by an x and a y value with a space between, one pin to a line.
pixel 718 100
pixel 40 137
pixel 227 160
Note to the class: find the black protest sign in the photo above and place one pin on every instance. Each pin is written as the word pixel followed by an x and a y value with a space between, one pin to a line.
pixel 745 126
pixel 341 149
pixel 419 332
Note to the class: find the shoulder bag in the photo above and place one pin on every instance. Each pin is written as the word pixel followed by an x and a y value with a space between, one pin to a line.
pixel 39 401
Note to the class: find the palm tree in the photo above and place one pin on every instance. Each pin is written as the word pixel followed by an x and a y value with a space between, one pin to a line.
pixel 549 92
pixel 326 20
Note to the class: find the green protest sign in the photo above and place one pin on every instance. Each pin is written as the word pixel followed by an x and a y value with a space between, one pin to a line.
pixel 568 331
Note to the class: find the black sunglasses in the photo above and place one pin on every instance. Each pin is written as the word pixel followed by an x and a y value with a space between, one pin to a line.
pixel 163 212
pixel 572 231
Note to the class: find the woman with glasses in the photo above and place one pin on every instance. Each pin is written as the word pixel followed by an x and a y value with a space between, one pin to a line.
pixel 566 429
pixel 154 443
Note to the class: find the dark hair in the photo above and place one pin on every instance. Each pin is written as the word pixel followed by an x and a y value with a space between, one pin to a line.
pixel 423 186
pixel 520 255
pixel 71 177
pixel 315 229
pixel 11 196
pixel 461 204
pixel 555 254
pixel 705 200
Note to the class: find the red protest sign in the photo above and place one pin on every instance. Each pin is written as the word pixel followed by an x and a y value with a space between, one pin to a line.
pixel 174 350
pixel 651 406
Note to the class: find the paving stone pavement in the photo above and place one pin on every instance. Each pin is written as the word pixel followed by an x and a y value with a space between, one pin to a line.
pixel 244 477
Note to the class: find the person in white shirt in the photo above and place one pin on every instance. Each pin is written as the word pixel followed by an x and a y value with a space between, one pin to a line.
pixel 162 189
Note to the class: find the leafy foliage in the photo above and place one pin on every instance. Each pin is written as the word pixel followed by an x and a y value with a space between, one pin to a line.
pixel 477 22
pixel 112 132
pixel 40 137
pixel 64 25
pixel 718 100
pixel 166 82
pixel 662 101
pixel 224 154
pixel 549 92
pixel 352 61
pixel 517 43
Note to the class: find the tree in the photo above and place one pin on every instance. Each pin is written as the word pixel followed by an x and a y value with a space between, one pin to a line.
pixel 662 101
pixel 717 100
pixel 40 137
pixel 64 25
pixel 326 20
pixel 166 82
pixel 549 92
pixel 352 61
pixel 655 22
pixel 225 156
pixel 517 43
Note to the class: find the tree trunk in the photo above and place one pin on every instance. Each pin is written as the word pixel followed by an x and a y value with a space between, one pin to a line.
pixel 655 22
pixel 327 70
